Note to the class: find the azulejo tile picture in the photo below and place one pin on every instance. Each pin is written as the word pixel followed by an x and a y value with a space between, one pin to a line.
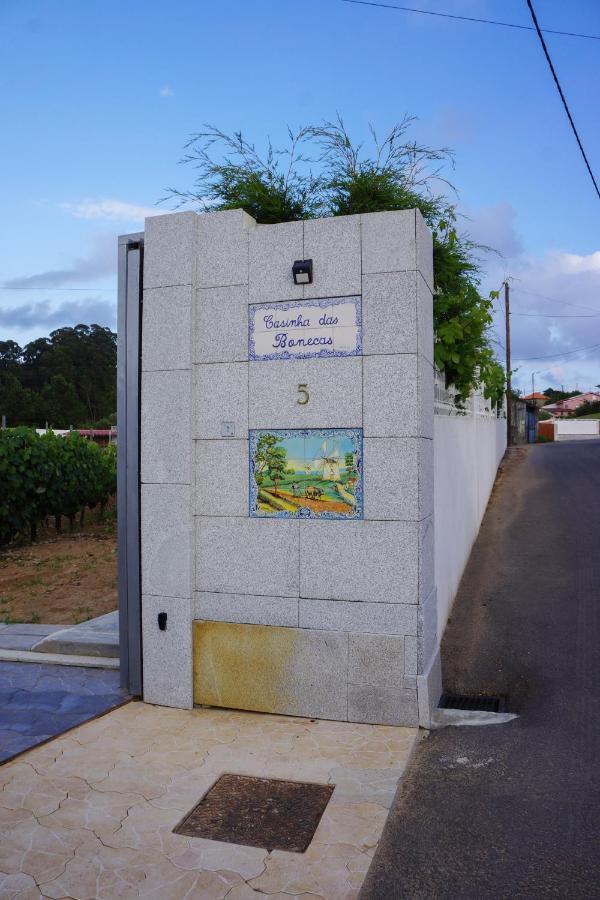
pixel 304 329
pixel 307 473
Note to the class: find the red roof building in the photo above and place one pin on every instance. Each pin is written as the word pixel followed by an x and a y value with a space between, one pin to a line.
pixel 537 398
pixel 563 408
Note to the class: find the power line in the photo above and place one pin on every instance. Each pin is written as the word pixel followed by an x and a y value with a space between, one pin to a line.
pixel 562 96
pixel 553 299
pixel 559 316
pixel 428 12
pixel 95 290
pixel 557 355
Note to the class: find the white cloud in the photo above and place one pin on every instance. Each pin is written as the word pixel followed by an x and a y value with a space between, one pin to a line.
pixel 573 263
pixel 100 262
pixel 554 301
pixel 109 209
pixel 38 318
pixel 555 309
pixel 27 314
pixel 555 335
pixel 493 226
pixel 166 91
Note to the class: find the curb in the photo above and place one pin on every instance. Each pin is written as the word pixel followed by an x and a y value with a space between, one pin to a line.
pixel 59 659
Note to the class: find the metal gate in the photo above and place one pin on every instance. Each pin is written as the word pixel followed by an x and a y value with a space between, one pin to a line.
pixel 131 258
pixel 531 425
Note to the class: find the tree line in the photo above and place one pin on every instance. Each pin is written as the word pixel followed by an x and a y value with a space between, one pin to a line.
pixel 66 379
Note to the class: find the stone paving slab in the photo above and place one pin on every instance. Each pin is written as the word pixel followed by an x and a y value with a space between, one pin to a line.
pixel 92 814
pixel 38 702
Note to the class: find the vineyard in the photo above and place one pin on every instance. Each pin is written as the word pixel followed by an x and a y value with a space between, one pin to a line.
pixel 47 476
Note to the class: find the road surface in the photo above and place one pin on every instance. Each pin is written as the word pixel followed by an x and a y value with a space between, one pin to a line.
pixel 513 811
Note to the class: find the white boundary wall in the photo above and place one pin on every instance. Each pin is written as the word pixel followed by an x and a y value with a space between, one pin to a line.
pixel 574 429
pixel 467 452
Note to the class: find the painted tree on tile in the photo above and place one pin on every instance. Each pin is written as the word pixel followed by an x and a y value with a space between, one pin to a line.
pixel 270 460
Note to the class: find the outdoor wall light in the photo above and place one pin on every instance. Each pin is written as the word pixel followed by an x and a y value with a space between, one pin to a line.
pixel 302 270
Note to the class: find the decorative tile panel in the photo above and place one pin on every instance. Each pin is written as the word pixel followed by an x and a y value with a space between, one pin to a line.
pixel 306 473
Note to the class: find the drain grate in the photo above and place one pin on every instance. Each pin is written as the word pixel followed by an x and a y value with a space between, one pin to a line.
pixel 477 704
pixel 258 812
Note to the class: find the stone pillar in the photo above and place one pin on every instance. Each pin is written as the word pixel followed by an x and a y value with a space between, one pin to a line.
pixel 291 612
pixel 166 451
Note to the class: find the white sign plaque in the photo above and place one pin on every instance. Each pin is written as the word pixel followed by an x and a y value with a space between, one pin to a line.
pixel 301 329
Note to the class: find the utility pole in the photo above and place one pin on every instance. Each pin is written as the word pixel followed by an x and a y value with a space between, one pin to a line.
pixel 508 376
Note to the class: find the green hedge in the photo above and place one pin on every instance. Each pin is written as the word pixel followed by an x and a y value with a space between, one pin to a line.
pixel 47 475
pixel 587 408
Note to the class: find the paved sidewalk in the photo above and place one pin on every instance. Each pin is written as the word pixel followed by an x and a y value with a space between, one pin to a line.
pixel 22 636
pixel 513 811
pixel 38 702
pixel 92 814
pixel 96 637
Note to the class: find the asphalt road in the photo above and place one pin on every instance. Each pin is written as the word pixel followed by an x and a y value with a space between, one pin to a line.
pixel 513 810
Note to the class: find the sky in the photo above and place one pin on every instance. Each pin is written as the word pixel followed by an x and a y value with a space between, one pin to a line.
pixel 98 98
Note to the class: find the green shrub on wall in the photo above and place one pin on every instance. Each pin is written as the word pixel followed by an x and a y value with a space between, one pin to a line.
pixel 587 408
pixel 47 475
pixel 339 178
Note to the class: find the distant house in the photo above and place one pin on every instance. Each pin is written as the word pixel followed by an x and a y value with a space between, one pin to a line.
pixel 102 436
pixel 563 408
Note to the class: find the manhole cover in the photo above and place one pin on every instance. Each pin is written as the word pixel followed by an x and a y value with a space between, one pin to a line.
pixel 259 812
pixel 469 701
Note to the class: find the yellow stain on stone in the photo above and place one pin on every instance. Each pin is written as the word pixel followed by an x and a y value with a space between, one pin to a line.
pixel 244 666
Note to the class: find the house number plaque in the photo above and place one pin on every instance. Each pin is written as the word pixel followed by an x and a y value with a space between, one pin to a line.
pixel 304 395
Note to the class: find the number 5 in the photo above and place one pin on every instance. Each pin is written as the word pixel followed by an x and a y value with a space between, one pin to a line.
pixel 302 389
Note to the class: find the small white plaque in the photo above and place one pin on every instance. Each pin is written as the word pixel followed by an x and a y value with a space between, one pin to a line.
pixel 300 329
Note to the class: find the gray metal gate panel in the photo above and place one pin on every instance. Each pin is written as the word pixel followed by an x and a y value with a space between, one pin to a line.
pixel 131 253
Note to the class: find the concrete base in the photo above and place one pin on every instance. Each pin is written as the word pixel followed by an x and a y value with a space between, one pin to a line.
pixel 575 437
pixel 458 718
pixel 429 691
pixel 303 672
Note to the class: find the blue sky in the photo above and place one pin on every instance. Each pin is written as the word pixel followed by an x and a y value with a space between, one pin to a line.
pixel 97 99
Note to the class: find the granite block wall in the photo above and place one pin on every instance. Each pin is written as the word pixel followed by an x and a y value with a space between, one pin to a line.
pixel 340 612
pixel 166 457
